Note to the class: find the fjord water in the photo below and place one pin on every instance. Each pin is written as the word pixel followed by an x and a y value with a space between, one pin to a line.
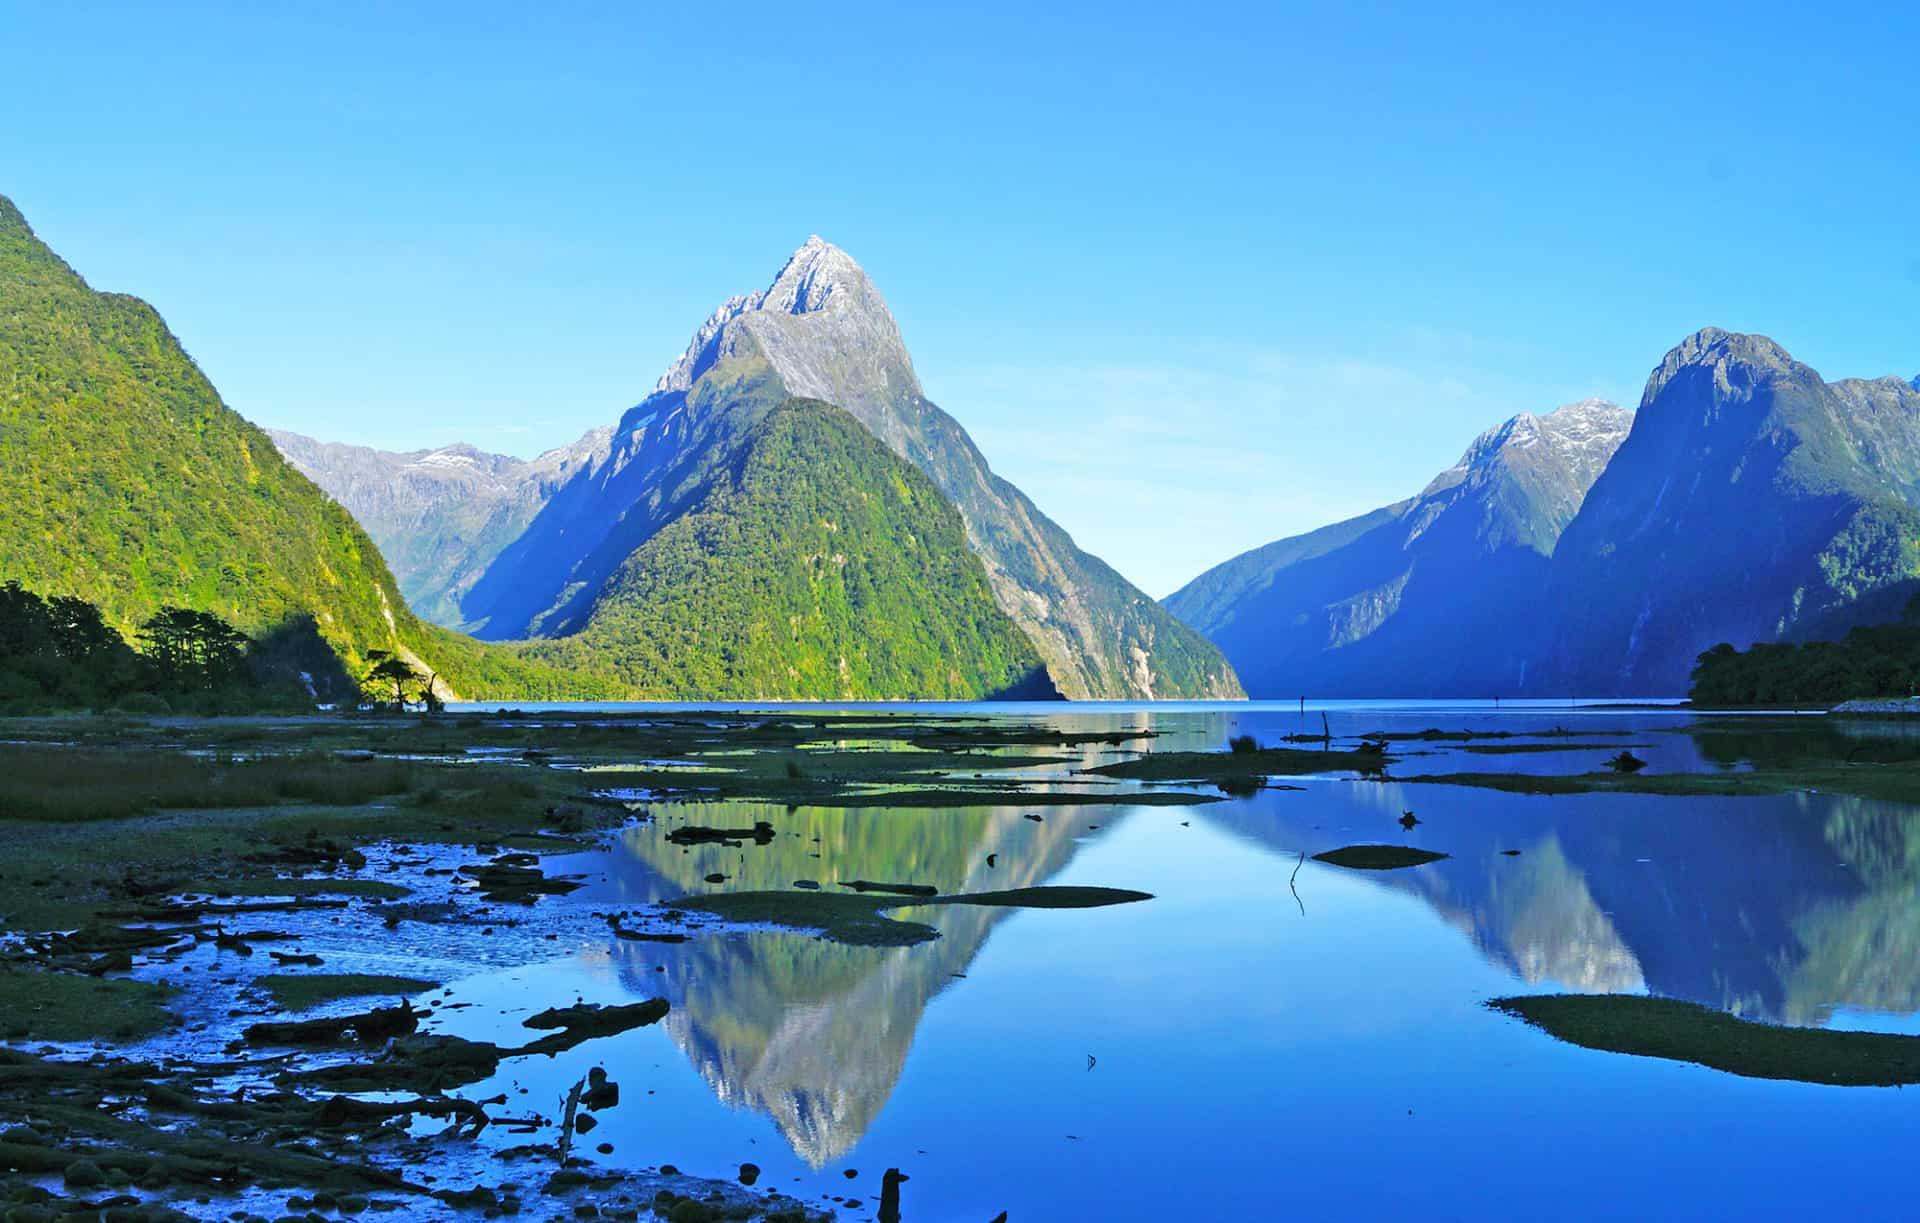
pixel 1269 1036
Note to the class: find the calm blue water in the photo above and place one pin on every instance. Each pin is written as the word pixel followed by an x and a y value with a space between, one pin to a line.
pixel 1276 711
pixel 1270 1038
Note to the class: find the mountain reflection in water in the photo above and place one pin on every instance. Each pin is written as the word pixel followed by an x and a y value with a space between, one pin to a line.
pixel 1783 908
pixel 814 1034
pixel 1778 908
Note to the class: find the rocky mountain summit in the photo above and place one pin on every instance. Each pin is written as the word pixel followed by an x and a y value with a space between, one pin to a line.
pixel 821 324
pixel 822 331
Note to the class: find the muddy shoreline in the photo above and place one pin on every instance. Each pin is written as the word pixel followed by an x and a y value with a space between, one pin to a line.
pixel 175 1046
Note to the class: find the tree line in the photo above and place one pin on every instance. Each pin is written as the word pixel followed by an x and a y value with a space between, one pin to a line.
pixel 58 652
pixel 1880 660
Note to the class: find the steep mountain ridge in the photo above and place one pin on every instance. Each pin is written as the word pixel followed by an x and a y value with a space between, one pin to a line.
pixel 821 330
pixel 125 480
pixel 1417 598
pixel 1752 501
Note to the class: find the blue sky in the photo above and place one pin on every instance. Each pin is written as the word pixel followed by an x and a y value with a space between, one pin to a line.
pixel 1194 277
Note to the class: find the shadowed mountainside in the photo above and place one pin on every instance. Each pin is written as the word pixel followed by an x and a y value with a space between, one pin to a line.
pixel 1425 597
pixel 1752 501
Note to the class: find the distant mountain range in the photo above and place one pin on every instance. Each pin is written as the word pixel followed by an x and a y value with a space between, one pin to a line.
pixel 1591 552
pixel 439 516
pixel 787 515
pixel 788 551
pixel 821 332
pixel 1429 596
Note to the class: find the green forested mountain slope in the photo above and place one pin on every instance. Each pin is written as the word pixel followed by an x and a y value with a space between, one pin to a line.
pixel 794 555
pixel 815 564
pixel 126 481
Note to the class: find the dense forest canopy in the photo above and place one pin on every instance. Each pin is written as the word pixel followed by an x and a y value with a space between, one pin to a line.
pixel 1871 661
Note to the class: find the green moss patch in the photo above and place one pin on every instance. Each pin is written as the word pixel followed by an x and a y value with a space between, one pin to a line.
pixel 1049 898
pixel 1377 857
pixel 298 992
pixel 855 920
pixel 1232 766
pixel 1523 749
pixel 859 919
pixel 1892 782
pixel 36 1004
pixel 1684 1032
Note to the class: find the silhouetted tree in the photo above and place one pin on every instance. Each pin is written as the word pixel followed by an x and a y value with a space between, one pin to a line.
pixel 390 678
pixel 60 652
pixel 194 650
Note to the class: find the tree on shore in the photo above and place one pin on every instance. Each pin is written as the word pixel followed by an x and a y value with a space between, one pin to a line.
pixel 394 681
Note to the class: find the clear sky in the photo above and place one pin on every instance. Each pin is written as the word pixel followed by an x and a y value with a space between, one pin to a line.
pixel 1195 277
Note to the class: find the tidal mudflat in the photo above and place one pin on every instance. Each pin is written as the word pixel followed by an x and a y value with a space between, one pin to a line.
pixel 1061 962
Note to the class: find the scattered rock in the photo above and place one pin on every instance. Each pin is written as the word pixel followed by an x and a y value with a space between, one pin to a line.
pixel 693 834
pixel 83 1174
pixel 601 1092
pixel 371 1027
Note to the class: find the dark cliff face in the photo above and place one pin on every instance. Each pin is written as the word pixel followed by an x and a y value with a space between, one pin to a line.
pixel 822 331
pixel 1434 595
pixel 1752 501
